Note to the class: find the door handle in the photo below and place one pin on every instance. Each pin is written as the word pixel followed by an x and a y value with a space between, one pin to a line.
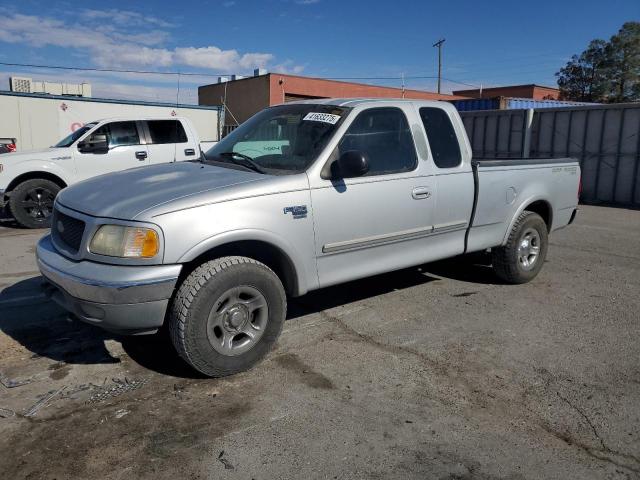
pixel 420 193
pixel 141 155
pixel 189 151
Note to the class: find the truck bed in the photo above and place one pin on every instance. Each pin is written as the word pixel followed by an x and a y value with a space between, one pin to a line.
pixel 506 186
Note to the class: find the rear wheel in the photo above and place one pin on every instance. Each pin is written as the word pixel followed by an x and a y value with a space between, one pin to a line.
pixel 31 202
pixel 226 315
pixel 521 259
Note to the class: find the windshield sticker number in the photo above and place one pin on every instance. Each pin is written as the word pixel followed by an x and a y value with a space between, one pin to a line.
pixel 322 117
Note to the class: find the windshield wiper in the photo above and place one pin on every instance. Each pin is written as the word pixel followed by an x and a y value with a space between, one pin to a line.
pixel 243 160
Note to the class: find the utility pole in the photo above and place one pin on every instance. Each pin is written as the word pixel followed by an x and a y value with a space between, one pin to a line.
pixel 439 45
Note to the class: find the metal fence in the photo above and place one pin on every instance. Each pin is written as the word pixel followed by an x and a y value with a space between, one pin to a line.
pixel 604 138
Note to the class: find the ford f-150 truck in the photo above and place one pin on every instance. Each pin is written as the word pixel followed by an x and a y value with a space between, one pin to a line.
pixel 299 197
pixel 30 180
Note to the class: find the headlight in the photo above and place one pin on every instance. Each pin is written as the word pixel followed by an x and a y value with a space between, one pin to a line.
pixel 121 241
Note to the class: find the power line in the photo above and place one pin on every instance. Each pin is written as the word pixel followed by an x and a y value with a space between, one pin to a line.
pixel 109 70
pixel 196 74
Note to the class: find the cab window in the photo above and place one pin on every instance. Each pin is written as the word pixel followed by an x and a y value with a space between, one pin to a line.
pixel 120 133
pixel 383 135
pixel 443 140
pixel 166 131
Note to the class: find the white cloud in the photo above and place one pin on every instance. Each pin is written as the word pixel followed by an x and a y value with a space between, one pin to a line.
pixel 255 60
pixel 288 66
pixel 307 2
pixel 113 46
pixel 124 17
pixel 114 86
pixel 207 57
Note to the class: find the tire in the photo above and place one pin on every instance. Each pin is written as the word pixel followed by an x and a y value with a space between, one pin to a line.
pixel 521 259
pixel 210 327
pixel 31 202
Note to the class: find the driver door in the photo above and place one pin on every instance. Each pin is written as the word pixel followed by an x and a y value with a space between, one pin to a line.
pixel 125 151
pixel 379 221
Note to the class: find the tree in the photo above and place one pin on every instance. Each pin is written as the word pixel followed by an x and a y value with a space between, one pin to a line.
pixel 624 63
pixel 605 71
pixel 584 78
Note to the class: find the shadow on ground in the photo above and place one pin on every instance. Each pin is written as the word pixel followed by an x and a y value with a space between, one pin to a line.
pixel 156 353
pixel 357 290
pixel 472 268
pixel 43 328
pixel 8 222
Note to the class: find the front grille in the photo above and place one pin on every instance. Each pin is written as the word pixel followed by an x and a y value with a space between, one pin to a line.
pixel 67 230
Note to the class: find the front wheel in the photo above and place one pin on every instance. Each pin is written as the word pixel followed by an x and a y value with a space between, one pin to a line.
pixel 226 315
pixel 521 258
pixel 31 202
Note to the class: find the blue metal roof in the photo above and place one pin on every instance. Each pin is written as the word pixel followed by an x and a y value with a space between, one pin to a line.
pixel 107 100
pixel 511 103
pixel 518 103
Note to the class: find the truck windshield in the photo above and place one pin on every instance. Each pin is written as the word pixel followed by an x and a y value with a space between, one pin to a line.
pixel 72 137
pixel 283 139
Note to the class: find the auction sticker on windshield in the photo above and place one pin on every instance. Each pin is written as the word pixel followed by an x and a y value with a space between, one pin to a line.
pixel 322 117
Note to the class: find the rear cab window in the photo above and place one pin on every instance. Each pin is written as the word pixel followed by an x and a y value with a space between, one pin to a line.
pixel 166 131
pixel 443 141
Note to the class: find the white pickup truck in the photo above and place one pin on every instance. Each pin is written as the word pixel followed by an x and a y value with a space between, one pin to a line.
pixel 30 180
pixel 299 197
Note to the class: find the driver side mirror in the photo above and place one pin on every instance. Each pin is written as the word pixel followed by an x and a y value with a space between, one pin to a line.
pixel 96 143
pixel 352 163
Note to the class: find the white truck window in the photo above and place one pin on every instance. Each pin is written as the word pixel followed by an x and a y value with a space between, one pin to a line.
pixel 166 131
pixel 120 133
pixel 443 141
pixel 383 135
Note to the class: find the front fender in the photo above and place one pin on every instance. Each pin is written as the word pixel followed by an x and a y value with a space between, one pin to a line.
pixel 260 235
pixel 13 171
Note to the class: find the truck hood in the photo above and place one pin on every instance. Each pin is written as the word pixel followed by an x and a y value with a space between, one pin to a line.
pixel 126 194
pixel 47 154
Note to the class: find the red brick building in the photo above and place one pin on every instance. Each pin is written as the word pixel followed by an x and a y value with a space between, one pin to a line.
pixel 246 96
pixel 536 92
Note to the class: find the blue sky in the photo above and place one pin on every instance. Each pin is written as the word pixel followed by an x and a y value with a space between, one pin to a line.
pixel 488 43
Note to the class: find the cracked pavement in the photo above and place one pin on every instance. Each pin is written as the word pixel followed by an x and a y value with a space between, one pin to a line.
pixel 430 372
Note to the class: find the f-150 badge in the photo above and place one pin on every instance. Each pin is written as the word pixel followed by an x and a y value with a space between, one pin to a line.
pixel 298 211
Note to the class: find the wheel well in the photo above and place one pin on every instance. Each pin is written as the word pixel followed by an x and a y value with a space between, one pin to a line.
pixel 543 209
pixel 32 175
pixel 263 252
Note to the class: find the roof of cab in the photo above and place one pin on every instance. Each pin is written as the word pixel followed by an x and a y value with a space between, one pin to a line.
pixel 139 118
pixel 352 102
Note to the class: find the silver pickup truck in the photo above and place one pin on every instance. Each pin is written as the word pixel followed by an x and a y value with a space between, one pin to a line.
pixel 301 196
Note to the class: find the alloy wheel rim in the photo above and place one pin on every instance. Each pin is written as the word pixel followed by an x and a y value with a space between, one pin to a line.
pixel 237 320
pixel 529 249
pixel 38 203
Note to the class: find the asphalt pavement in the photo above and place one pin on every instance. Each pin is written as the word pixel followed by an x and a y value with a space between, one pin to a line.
pixel 436 372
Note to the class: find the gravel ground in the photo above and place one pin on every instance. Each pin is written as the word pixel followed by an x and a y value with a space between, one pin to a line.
pixel 433 372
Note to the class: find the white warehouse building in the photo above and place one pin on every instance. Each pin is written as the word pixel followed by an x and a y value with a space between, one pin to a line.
pixel 37 120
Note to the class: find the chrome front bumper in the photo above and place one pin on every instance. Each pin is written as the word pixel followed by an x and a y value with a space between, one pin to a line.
pixel 124 299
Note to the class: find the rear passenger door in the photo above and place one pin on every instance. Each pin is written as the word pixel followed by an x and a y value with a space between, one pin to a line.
pixel 453 180
pixel 126 150
pixel 167 141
